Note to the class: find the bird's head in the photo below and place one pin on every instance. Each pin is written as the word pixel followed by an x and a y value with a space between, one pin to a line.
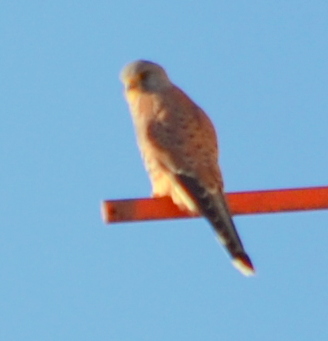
pixel 144 76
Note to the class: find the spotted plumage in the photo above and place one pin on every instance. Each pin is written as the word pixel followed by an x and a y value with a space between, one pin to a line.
pixel 179 146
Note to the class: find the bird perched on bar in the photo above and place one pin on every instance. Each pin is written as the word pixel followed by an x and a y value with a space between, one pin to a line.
pixel 179 147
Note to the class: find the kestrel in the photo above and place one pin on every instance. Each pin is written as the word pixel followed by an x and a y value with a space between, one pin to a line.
pixel 179 147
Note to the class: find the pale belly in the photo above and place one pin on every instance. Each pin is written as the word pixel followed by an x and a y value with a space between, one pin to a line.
pixel 164 183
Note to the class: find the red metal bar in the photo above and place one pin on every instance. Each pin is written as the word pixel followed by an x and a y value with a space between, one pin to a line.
pixel 298 199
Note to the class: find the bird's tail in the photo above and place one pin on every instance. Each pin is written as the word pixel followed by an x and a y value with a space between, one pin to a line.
pixel 215 209
pixel 220 218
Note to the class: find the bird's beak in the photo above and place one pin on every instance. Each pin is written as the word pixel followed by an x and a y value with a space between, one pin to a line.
pixel 133 82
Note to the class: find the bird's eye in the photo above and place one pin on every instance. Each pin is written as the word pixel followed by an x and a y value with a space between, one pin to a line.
pixel 144 75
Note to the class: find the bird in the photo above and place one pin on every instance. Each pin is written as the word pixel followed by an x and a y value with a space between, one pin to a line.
pixel 179 147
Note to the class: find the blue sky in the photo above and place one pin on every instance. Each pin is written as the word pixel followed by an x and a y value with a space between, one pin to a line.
pixel 260 70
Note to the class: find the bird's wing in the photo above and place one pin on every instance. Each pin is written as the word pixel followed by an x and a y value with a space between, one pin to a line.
pixel 187 147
